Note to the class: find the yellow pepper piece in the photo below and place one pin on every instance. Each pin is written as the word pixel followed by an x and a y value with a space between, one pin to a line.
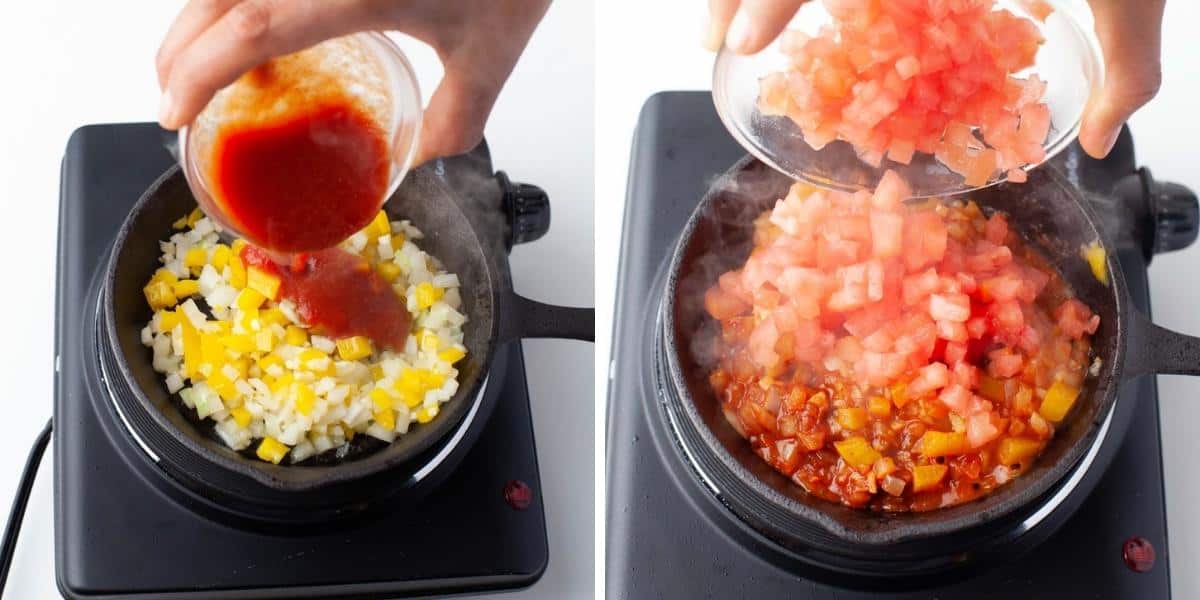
pixel 304 398
pixel 354 348
pixel 432 380
pixel 1058 401
pixel 194 216
pixel 242 365
pixel 241 416
pixel 389 271
pixel 238 245
pixel 308 355
pixel 380 399
pixel 378 226
pixel 427 340
pixel 220 257
pixel 237 272
pixel 398 241
pixel 926 477
pixel 282 383
pixel 452 355
pixel 376 372
pixel 425 415
pixel 385 418
pixel 191 348
pixel 195 258
pixel 249 298
pixel 427 294
pixel 879 407
pixel 186 287
pixel 851 418
pixel 160 295
pixel 164 275
pixel 1093 253
pixel 168 319
pixel 180 223
pixel 268 361
pixel 273 316
pixel 941 443
pixel 857 452
pixel 272 450
pixel 212 351
pixel 295 336
pixel 1017 451
pixel 263 282
pixel 899 393
pixel 239 342
pixel 223 385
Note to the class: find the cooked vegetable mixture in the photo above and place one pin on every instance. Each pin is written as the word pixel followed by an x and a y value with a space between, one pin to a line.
pixel 895 356
pixel 240 356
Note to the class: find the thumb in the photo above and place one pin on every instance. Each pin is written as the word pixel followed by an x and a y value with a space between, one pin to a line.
pixel 1130 36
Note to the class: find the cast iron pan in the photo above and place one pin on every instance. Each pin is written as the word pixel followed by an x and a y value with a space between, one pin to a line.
pixel 495 315
pixel 1049 213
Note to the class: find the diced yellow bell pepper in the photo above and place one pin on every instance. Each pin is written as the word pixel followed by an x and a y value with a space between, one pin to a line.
pixel 1093 253
pixel 220 257
pixel 273 316
pixel 239 342
pixel 427 294
pixel 186 287
pixel 879 407
pixel 242 365
pixel 194 216
pixel 304 398
pixel 857 452
pixel 1016 450
pixel 241 416
pixel 425 415
pixel 268 361
pixel 354 348
pixel 388 270
pixel 376 371
pixel 385 418
pixel 195 258
pixel 263 282
pixel 191 348
pixel 378 226
pixel 223 385
pixel 282 383
pixel 212 351
pixel 1058 401
pixel 432 380
pixel 160 295
pixel 164 275
pixel 238 245
pixel 168 319
pixel 295 336
pixel 249 298
pixel 272 450
pixel 851 418
pixel 452 354
pixel 927 477
pixel 248 320
pixel 427 340
pixel 308 355
pixel 899 394
pixel 380 399
pixel 180 223
pixel 941 443
pixel 991 388
pixel 237 272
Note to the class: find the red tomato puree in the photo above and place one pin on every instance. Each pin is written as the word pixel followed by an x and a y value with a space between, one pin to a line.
pixel 339 295
pixel 305 182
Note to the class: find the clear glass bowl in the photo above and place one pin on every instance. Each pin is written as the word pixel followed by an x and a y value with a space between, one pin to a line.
pixel 369 66
pixel 1069 61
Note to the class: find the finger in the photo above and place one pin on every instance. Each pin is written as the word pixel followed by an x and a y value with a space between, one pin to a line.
pixel 247 35
pixel 1130 36
pixel 456 115
pixel 196 16
pixel 720 13
pixel 758 22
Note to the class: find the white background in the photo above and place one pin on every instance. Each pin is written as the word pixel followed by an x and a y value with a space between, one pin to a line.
pixel 68 63
pixel 646 47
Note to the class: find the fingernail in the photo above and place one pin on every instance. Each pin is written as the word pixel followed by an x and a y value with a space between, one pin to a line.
pixel 739 32
pixel 711 37
pixel 166 110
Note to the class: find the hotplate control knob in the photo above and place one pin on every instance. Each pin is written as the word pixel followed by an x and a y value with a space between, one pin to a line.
pixel 1176 216
pixel 527 207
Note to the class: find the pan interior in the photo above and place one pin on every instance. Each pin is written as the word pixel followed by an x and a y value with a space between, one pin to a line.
pixel 1051 216
pixel 422 199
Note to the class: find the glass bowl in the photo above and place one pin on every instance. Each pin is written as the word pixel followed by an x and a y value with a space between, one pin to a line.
pixel 368 67
pixel 1069 61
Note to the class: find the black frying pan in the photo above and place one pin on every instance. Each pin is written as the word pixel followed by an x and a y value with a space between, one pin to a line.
pixel 468 245
pixel 1050 214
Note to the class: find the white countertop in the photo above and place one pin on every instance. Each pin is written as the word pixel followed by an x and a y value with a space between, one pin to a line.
pixel 69 63
pixel 639 54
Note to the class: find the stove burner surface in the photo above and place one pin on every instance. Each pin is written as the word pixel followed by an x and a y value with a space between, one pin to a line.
pixel 668 536
pixel 122 533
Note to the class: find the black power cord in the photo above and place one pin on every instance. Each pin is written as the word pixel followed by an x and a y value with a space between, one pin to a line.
pixel 13 529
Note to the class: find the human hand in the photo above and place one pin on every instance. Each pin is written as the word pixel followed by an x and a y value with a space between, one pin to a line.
pixel 1129 32
pixel 212 42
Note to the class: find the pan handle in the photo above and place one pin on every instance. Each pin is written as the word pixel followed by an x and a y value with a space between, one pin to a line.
pixel 525 318
pixel 1155 349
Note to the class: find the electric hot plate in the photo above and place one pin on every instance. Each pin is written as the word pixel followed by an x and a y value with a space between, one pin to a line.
pixel 468 518
pixel 669 536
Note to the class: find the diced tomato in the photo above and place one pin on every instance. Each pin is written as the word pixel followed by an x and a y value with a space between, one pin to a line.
pixel 956 397
pixel 996 230
pixel 723 305
pixel 950 307
pixel 886 233
pixel 981 429
pixel 918 287
pixel 931 378
pixel 1003 363
pixel 1075 319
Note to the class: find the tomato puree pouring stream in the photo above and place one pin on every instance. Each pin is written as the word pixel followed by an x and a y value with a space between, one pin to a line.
pixel 297 184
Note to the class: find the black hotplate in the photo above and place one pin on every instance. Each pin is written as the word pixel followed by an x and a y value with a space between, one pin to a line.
pixel 669 538
pixel 124 530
